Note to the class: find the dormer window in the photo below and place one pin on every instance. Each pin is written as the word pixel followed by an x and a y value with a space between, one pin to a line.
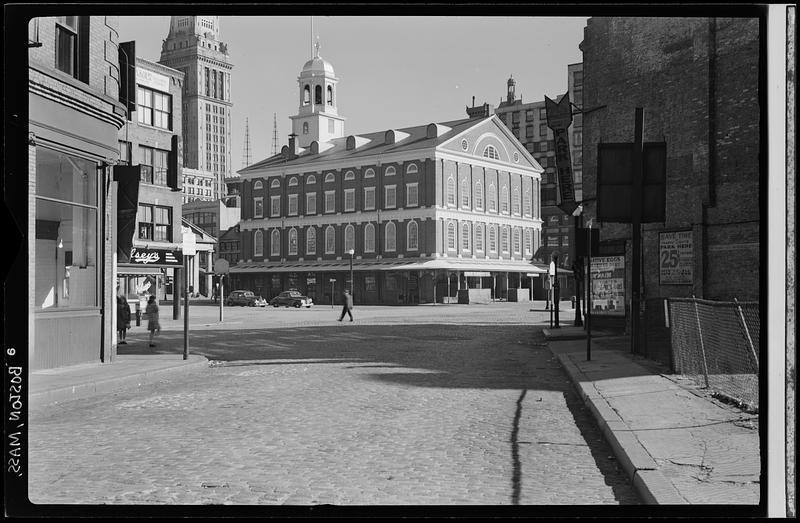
pixel 491 152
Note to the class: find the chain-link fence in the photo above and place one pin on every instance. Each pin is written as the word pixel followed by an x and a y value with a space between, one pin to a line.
pixel 716 343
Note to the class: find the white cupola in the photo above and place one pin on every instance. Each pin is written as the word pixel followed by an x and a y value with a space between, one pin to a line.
pixel 317 118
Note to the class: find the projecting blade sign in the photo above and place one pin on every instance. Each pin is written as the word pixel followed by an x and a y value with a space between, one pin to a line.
pixel 559 118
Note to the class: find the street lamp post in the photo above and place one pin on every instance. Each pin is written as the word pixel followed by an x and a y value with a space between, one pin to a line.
pixel 351 252
pixel 556 290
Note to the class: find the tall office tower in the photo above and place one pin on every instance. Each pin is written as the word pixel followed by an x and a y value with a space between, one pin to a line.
pixel 246 158
pixel 193 47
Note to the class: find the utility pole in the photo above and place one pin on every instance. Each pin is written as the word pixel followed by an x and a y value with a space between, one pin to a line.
pixel 274 134
pixel 246 159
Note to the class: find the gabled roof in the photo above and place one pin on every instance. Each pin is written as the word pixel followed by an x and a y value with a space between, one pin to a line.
pixel 376 144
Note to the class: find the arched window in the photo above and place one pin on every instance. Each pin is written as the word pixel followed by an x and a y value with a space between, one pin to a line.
pixel 451 236
pixel 329 178
pixel 390 171
pixel 412 169
pixel 504 199
pixel 305 127
pixel 478 195
pixel 258 244
pixel 292 241
pixel 349 175
pixel 491 152
pixel 465 237
pixel 311 180
pixel 412 235
pixel 528 241
pixel 275 243
pixel 369 173
pixel 504 239
pixel 330 240
pixel 275 183
pixel 479 238
pixel 492 197
pixel 369 238
pixel 492 239
pixel 330 95
pixel 465 193
pixel 257 186
pixel 451 191
pixel 517 240
pixel 515 201
pixel 349 238
pixel 306 95
pixel 391 237
pixel 318 94
pixel 293 181
pixel 311 240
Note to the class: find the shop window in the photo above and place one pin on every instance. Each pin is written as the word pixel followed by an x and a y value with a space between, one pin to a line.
pixel 66 231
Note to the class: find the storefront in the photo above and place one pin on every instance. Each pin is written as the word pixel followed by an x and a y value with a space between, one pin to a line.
pixel 151 272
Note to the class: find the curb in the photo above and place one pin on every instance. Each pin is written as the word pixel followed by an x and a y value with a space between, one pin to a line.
pixel 108 385
pixel 651 485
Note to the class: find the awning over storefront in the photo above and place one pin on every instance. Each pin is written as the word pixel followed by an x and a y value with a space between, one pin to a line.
pixel 136 270
pixel 415 264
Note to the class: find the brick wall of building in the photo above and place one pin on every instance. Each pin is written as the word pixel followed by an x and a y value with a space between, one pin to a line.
pixel 697 81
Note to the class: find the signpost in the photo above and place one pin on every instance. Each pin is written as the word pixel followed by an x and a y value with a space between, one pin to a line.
pixel 221 267
pixel 189 249
pixel 631 179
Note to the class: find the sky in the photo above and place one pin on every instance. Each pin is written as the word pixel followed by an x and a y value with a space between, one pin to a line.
pixel 393 72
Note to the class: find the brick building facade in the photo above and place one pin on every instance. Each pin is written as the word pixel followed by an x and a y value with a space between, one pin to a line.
pixel 427 213
pixel 74 114
pixel 697 80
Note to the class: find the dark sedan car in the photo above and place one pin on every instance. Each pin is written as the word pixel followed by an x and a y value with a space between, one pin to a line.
pixel 291 299
pixel 245 298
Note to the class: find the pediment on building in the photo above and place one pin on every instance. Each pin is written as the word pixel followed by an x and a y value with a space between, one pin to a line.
pixel 489 139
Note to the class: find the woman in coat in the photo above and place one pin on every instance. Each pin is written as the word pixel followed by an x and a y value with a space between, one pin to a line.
pixel 153 324
pixel 123 318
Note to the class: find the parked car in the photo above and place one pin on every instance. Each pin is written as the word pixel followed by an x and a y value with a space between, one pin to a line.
pixel 245 298
pixel 291 299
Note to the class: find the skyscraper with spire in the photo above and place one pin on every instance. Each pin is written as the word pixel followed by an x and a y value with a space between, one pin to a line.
pixel 193 47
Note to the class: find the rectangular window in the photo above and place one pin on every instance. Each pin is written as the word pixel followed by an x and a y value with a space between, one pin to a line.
pixel 330 201
pixel 67 44
pixel 258 207
pixel 529 115
pixel 275 206
pixel 349 200
pixel 577 78
pixel 292 205
pixel 160 165
pixel 528 131
pixel 577 138
pixel 515 118
pixel 412 196
pixel 144 106
pixel 311 203
pixel 369 198
pixel 125 152
pixel 154 223
pixel 390 201
pixel 543 114
pixel 542 130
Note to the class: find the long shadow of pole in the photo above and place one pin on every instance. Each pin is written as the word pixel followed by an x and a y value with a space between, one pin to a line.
pixel 516 478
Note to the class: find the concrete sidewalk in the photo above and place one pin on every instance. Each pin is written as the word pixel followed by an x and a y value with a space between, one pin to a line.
pixel 127 371
pixel 676 443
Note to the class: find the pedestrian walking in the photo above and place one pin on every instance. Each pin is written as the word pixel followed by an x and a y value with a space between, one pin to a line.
pixel 123 318
pixel 348 306
pixel 153 324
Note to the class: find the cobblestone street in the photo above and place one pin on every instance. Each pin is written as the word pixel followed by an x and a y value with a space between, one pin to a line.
pixel 344 414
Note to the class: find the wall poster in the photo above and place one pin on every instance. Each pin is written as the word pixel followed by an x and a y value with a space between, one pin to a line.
pixel 675 258
pixel 608 285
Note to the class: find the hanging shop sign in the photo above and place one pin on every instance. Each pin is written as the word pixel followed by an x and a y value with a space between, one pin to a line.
pixel 608 285
pixel 559 118
pixel 159 257
pixel 676 258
